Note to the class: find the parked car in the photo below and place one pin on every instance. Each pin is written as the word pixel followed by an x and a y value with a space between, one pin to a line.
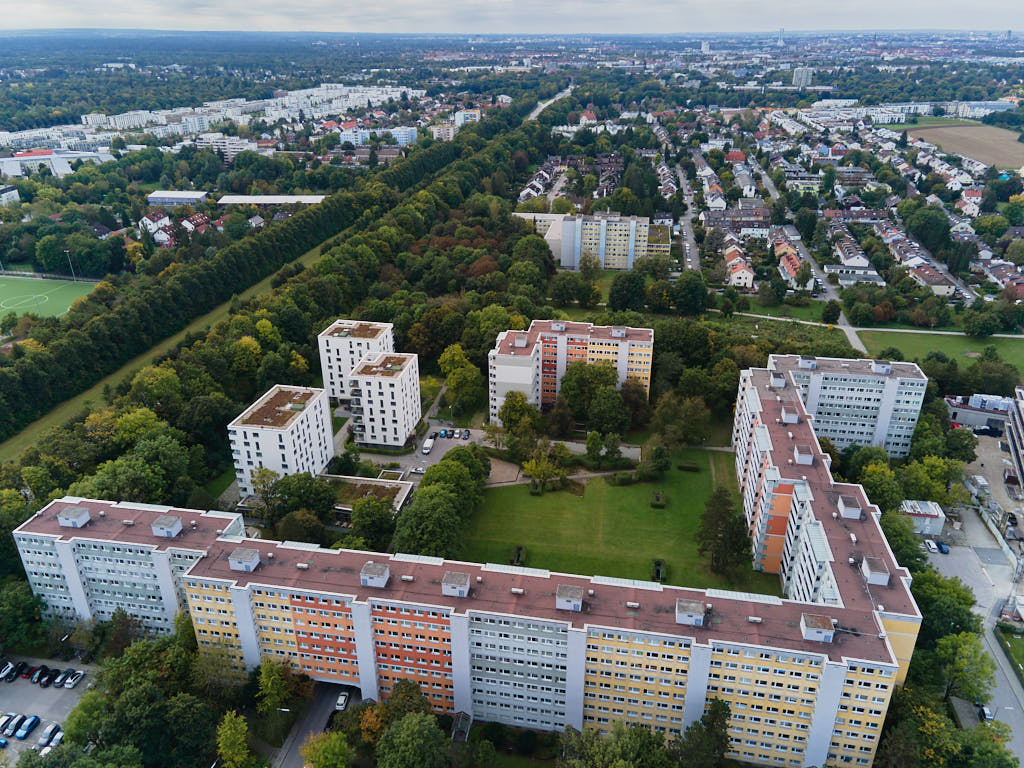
pixel 63 678
pixel 984 713
pixel 48 733
pixel 342 701
pixel 417 470
pixel 6 719
pixel 434 435
pixel 41 671
pixel 943 547
pixel 57 739
pixel 74 679
pixel 6 668
pixel 13 724
pixel 47 681
pixel 465 434
pixel 3 743
pixel 989 432
pixel 16 672
pixel 27 727
pixel 930 546
pixel 28 672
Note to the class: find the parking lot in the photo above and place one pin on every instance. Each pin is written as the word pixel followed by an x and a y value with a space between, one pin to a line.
pixel 51 705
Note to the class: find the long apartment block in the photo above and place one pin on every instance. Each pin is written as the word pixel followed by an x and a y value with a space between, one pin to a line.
pixel 343 344
pixel 288 430
pixel 863 402
pixel 808 681
pixel 533 361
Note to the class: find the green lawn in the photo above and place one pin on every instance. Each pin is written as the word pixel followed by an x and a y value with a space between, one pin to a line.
pixel 220 483
pixel 12 448
pixel 612 530
pixel 811 312
pixel 959 348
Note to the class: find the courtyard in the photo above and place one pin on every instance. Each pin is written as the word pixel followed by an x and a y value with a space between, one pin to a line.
pixel 613 530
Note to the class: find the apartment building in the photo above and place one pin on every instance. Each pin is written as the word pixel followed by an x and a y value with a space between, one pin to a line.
pixel 616 240
pixel 287 430
pixel 384 397
pixel 343 344
pixel 808 683
pixel 863 402
pixel 86 559
pixel 1015 430
pixel 533 361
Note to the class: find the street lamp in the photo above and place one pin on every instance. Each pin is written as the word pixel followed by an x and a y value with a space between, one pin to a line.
pixel 68 254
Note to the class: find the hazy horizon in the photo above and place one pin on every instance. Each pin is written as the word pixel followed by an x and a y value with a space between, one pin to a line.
pixel 659 17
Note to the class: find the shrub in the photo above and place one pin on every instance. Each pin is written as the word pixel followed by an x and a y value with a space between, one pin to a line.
pixel 526 742
pixel 622 478
pixel 658 500
pixel 688 466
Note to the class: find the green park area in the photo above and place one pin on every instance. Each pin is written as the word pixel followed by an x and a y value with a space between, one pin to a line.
pixel 43 297
pixel 613 530
pixel 955 347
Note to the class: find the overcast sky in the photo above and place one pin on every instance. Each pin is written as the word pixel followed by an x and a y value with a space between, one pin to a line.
pixel 507 16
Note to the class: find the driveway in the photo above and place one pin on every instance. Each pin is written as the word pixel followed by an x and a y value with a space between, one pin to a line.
pixel 417 459
pixel 981 565
pixel 313 721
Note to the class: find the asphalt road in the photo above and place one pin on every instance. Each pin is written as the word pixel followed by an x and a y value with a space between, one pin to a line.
pixel 313 721
pixel 975 565
pixel 691 258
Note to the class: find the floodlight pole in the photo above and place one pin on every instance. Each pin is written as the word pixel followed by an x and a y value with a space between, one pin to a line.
pixel 68 254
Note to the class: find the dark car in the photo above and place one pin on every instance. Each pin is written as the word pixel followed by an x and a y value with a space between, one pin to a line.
pixel 434 435
pixel 46 682
pixel 15 673
pixel 41 671
pixel 62 678
pixel 28 672
pixel 465 434
pixel 989 432
pixel 13 725
pixel 943 547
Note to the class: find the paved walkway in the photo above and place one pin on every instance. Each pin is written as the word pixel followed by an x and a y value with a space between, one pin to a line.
pixel 535 113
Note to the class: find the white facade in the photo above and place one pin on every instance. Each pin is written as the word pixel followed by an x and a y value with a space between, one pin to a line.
pixel 862 402
pixel 110 558
pixel 927 516
pixel 384 393
pixel 9 195
pixel 288 430
pixel 343 344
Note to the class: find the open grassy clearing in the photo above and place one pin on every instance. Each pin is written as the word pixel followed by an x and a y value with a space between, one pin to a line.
pixel 959 348
pixel 811 312
pixel 11 448
pixel 928 121
pixel 987 143
pixel 612 530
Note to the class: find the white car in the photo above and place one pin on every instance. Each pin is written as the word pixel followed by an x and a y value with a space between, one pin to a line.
pixel 342 701
pixel 930 546
pixel 417 470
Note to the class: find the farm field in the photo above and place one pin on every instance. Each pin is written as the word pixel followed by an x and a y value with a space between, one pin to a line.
pixel 959 348
pixel 612 530
pixel 987 143
pixel 43 296
pixel 928 121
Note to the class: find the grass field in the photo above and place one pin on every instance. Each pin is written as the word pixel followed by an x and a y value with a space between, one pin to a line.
pixel 612 530
pixel 811 312
pixel 46 298
pixel 987 143
pixel 11 448
pixel 959 348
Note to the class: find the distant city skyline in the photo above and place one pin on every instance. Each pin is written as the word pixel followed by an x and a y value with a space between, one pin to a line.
pixel 525 16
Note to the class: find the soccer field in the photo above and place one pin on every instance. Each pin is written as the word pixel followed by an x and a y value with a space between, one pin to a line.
pixel 46 298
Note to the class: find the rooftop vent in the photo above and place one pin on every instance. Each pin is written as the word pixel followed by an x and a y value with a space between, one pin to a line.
pixel 802 455
pixel 374 574
pixel 881 366
pixel 408 577
pixel 690 612
pixel 815 626
pixel 632 604
pixel 875 571
pixel 849 508
pixel 517 591
pixel 569 598
pixel 557 325
pixel 302 566
pixel 244 559
pixel 73 517
pixel 790 416
pixel 455 584
pixel 519 340
pixel 167 526
pixel 778 380
pixel 808 362
pixel 128 522
pixel 618 332
pixel 755 619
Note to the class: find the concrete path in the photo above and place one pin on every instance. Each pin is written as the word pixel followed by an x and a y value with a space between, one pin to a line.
pixel 535 113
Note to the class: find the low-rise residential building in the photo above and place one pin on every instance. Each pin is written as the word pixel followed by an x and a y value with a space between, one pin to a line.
pixel 288 430
pixel 9 195
pixel 931 278
pixel 927 516
pixel 343 344
pixel 533 361
pixel 154 221
pixel 172 198
pixel 384 397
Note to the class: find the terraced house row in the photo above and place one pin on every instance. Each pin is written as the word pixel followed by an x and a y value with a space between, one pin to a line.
pixel 808 678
